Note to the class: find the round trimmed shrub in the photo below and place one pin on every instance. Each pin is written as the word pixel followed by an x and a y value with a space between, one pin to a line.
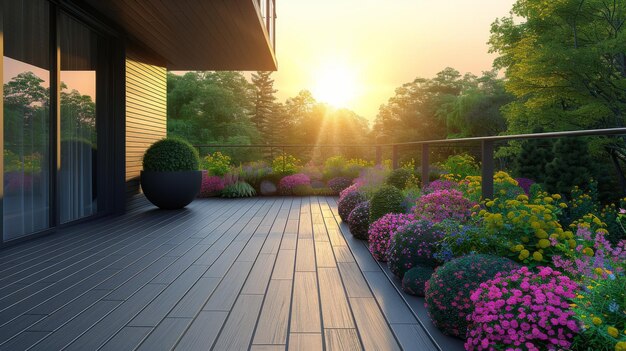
pixel 348 202
pixel 381 231
pixel 171 155
pixel 414 281
pixel 399 177
pixel 387 199
pixel 448 290
pixel 338 184
pixel 413 245
pixel 358 220
pixel 533 309
pixel 444 204
pixel 351 189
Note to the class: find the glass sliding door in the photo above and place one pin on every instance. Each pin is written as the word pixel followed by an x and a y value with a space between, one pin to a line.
pixel 26 79
pixel 77 176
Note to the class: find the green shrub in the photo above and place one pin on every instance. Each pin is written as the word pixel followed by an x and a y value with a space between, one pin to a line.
pixel 217 163
pixel 413 245
pixel 285 164
pixel 358 221
pixel 170 154
pixel 399 177
pixel 462 165
pixel 302 190
pixel 387 199
pixel 414 281
pixel 239 189
pixel 448 290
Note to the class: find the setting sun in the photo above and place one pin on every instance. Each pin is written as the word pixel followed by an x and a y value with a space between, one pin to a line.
pixel 335 84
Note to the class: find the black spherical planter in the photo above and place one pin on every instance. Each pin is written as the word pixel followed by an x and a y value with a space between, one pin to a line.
pixel 171 190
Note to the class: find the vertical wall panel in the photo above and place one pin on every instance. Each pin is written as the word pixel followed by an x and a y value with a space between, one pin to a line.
pixel 146 100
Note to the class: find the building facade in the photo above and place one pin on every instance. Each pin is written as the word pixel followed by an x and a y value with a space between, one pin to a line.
pixel 85 95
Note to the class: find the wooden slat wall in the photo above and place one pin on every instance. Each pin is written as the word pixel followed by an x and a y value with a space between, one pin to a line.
pixel 146 101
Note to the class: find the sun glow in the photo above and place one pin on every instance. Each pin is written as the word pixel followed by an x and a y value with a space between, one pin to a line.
pixel 335 84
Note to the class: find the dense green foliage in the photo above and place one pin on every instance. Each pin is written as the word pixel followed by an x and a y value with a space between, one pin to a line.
pixel 570 166
pixel 387 199
pixel 217 163
pixel 399 177
pixel 170 154
pixel 414 281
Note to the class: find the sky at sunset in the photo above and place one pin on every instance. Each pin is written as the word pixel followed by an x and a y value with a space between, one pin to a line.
pixel 376 46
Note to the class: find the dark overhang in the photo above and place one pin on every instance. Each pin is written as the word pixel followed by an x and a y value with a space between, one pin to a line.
pixel 198 34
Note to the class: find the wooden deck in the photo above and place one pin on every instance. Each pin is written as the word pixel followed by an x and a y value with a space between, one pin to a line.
pixel 248 274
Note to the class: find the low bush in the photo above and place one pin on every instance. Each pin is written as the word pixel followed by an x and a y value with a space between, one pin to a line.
pixel 338 184
pixel 448 290
pixel 381 231
pixel 170 155
pixel 303 190
pixel 285 165
pixel 462 165
pixel 254 173
pixel 387 199
pixel 351 189
pixel 217 164
pixel 444 204
pixel 523 310
pixel 348 202
pixel 239 189
pixel 413 245
pixel 414 280
pixel 211 185
pixel 287 184
pixel 399 177
pixel 358 220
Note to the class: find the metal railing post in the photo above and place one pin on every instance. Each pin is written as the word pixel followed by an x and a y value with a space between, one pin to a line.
pixel 394 157
pixel 425 165
pixel 487 169
pixel 379 155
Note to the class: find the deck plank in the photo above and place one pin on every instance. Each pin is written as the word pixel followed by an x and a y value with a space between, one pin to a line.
pixel 305 314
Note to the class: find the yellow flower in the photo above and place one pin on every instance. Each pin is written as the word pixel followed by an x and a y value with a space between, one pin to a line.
pixel 489 203
pixel 537 256
pixel 588 251
pixel 543 243
pixel 596 321
pixel 612 331
pixel 563 205
pixel 598 271
pixel 525 239
pixel 620 346
pixel 556 196
pixel 523 254
pixel 572 243
pixel 535 225
pixel 541 234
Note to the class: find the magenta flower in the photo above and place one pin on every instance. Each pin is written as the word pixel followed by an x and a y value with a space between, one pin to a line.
pixel 382 230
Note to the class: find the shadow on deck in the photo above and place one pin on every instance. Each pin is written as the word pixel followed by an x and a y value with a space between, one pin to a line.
pixel 259 274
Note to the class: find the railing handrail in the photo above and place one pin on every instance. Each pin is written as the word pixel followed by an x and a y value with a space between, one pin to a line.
pixel 546 135
pixel 486 144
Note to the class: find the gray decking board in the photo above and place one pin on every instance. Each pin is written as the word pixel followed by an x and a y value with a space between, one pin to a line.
pixel 257 273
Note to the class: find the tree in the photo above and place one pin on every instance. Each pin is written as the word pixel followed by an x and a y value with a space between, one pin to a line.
pixel 570 166
pixel 565 63
pixel 210 107
pixel 532 159
pixel 264 102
